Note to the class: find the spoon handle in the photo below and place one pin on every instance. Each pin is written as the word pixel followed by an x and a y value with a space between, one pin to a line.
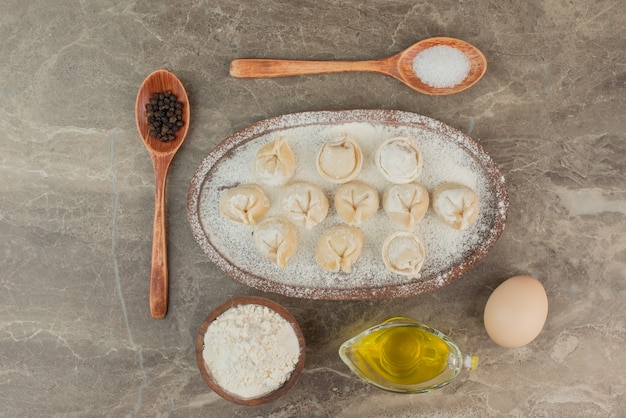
pixel 262 68
pixel 158 268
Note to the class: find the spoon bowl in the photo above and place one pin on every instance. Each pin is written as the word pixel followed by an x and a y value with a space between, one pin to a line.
pixel 399 66
pixel 406 74
pixel 161 154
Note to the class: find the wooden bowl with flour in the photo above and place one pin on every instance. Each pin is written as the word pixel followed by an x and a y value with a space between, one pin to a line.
pixel 250 350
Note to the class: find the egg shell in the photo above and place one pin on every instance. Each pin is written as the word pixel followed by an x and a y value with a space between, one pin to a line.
pixel 516 311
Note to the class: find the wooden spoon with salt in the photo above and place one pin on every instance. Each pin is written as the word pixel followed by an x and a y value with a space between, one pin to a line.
pixel 399 66
pixel 161 154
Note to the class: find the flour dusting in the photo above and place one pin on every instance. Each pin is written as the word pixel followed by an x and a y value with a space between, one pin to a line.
pixel 448 156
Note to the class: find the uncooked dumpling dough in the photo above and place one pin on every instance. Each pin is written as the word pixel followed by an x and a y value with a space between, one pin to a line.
pixel 339 160
pixel 245 203
pixel 338 248
pixel 406 204
pixel 276 239
pixel 403 253
pixel 275 163
pixel 455 205
pixel 356 201
pixel 304 204
pixel 399 160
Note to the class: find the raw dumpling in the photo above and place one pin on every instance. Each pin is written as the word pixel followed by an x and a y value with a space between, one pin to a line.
pixel 275 163
pixel 245 203
pixel 304 204
pixel 356 201
pixel 338 248
pixel 403 253
pixel 399 160
pixel 339 160
pixel 406 204
pixel 455 205
pixel 275 239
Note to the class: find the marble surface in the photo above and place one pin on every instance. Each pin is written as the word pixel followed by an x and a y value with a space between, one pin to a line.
pixel 76 336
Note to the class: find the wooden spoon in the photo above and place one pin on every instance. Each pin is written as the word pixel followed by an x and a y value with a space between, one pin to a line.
pixel 161 154
pixel 399 66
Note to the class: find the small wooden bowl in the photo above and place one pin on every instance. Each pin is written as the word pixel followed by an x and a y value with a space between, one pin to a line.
pixel 206 373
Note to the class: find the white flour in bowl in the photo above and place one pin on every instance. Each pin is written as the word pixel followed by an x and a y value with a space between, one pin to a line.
pixel 250 350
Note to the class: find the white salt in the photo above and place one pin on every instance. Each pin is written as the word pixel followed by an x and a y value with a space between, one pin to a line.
pixel 441 66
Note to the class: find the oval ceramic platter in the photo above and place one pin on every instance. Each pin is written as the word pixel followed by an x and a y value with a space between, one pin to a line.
pixel 448 156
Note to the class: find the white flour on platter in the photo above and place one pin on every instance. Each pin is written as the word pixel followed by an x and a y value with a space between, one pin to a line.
pixel 250 350
pixel 445 160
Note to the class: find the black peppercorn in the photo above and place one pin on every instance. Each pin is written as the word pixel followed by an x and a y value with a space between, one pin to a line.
pixel 164 114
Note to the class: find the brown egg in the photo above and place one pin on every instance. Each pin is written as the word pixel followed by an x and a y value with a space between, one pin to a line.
pixel 516 311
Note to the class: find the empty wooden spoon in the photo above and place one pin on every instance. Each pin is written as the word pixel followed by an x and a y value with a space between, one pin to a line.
pixel 161 154
pixel 399 66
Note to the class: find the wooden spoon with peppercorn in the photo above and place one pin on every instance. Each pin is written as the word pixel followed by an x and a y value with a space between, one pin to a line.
pixel 162 117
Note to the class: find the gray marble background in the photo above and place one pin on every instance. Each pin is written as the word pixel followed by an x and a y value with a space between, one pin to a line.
pixel 76 200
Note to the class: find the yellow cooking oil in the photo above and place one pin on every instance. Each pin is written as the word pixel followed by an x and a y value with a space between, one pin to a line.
pixel 403 355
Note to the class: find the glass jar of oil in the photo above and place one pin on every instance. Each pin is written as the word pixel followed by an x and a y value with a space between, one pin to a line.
pixel 404 356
